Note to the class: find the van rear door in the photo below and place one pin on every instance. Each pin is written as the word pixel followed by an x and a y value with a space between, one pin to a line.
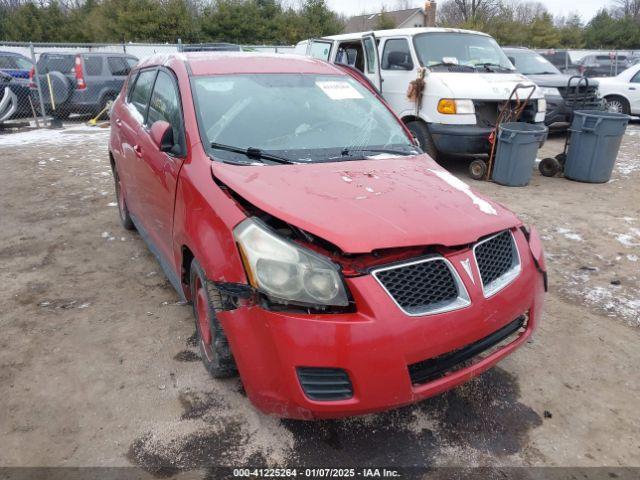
pixel 372 60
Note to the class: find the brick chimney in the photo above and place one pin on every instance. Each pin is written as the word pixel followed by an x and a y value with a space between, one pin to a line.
pixel 430 13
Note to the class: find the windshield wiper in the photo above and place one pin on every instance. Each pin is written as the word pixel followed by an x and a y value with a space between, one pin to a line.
pixel 494 67
pixel 252 153
pixel 451 64
pixel 346 151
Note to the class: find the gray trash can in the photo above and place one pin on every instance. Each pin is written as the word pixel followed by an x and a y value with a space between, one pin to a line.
pixel 516 152
pixel 594 144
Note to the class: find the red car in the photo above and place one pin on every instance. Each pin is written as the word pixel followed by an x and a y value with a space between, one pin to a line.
pixel 332 264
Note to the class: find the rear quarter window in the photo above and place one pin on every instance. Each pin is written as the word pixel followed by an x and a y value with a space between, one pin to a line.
pixel 92 66
pixel 56 63
pixel 8 62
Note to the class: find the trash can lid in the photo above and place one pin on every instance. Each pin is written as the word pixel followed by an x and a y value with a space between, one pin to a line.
pixel 522 127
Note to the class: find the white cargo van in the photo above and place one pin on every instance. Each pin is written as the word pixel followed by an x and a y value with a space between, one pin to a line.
pixel 467 79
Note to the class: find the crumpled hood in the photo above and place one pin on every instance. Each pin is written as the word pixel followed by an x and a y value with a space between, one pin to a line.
pixel 366 205
pixel 481 86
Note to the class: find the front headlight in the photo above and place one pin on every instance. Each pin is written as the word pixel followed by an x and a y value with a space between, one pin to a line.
pixel 542 105
pixel 450 106
pixel 286 272
pixel 550 91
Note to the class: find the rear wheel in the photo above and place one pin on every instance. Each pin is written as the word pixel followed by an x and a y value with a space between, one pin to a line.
pixel 617 104
pixel 123 211
pixel 421 132
pixel 214 346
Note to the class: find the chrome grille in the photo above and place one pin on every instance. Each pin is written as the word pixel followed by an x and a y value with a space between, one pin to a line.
pixel 423 287
pixel 498 261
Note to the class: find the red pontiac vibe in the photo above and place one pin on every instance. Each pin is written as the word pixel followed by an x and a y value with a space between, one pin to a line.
pixel 330 263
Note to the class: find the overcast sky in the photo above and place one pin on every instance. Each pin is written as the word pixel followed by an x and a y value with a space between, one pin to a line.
pixel 585 8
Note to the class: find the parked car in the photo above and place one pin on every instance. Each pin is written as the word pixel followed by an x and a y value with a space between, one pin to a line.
pixel 622 92
pixel 8 100
pixel 18 67
pixel 259 180
pixel 562 60
pixel 81 83
pixel 603 65
pixel 468 78
pixel 562 92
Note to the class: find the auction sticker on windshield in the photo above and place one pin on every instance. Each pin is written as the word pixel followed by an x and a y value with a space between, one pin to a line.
pixel 339 90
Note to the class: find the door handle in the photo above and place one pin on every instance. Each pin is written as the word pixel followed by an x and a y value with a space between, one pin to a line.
pixel 118 122
pixel 632 88
pixel 138 150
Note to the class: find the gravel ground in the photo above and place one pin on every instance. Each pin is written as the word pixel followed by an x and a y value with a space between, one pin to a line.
pixel 98 366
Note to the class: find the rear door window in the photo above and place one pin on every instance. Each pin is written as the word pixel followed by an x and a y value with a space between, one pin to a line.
pixel 165 105
pixel 92 66
pixel 141 92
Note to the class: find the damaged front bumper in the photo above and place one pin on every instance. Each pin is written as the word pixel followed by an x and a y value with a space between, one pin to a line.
pixel 369 357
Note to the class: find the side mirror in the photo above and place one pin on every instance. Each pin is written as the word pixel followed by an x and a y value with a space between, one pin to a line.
pixel 162 135
pixel 512 60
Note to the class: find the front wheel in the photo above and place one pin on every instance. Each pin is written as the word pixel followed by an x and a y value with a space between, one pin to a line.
pixel 420 130
pixel 214 346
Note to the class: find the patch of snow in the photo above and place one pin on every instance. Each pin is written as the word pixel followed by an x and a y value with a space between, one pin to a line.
pixel 459 185
pixel 568 234
pixel 77 134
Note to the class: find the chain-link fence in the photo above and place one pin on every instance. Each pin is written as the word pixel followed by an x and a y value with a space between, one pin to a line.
pixel 591 63
pixel 45 82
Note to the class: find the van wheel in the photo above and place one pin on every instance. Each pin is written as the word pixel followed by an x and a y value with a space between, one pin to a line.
pixel 421 132
pixel 214 346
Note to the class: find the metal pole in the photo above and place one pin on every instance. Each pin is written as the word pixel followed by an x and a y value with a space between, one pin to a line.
pixel 37 79
pixel 179 45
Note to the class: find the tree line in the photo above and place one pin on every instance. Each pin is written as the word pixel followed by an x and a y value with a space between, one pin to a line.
pixel 237 21
pixel 530 24
pixel 511 22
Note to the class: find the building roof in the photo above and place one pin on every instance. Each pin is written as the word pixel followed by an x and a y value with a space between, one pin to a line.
pixel 370 21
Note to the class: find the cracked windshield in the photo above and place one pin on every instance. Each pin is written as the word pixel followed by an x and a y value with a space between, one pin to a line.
pixel 320 118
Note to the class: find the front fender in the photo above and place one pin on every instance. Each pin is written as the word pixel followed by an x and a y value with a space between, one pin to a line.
pixel 204 218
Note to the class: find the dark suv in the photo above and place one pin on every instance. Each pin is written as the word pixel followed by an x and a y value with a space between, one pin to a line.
pixel 81 83
pixel 17 67
pixel 563 92
pixel 561 59
pixel 603 65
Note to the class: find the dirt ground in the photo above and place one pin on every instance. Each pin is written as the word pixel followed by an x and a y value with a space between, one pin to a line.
pixel 98 366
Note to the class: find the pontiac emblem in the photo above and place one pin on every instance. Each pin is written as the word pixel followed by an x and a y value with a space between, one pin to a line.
pixel 466 264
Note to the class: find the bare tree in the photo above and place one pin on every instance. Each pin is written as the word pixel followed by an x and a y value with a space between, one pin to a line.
pixel 628 8
pixel 471 10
